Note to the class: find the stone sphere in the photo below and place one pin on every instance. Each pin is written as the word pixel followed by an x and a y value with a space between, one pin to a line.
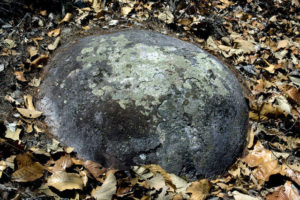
pixel 138 97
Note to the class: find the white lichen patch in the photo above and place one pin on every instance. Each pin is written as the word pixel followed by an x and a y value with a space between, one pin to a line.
pixel 141 74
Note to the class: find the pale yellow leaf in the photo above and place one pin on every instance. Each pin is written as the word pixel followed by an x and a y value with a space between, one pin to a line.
pixel 65 181
pixel 29 113
pixel 14 135
pixel 108 188
pixel 2 167
pixel 239 196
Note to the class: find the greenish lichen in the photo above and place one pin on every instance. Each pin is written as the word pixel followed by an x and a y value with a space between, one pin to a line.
pixel 142 74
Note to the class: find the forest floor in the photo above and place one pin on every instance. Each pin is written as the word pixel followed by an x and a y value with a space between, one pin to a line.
pixel 258 39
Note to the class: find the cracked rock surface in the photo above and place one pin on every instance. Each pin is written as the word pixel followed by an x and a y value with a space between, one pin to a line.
pixel 138 97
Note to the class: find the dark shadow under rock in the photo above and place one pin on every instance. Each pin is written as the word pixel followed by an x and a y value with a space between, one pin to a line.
pixel 138 97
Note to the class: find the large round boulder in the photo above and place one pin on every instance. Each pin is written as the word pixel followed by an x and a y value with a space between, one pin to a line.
pixel 139 97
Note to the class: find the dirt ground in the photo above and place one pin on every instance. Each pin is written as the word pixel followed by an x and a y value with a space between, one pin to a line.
pixel 258 40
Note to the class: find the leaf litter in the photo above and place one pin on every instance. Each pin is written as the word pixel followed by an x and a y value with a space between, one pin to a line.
pixel 258 39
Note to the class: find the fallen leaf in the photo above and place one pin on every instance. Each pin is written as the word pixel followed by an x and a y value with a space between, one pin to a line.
pixel 10 43
pixel 179 183
pixel 2 167
pixel 199 190
pixel 35 82
pixel 47 191
pixel 158 169
pixel 262 159
pixel 54 32
pixel 43 12
pixel 20 76
pixel 14 135
pixel 33 51
pixel 245 45
pixel 239 196
pixel 250 138
pixel 67 18
pixel 126 10
pixel 28 173
pixel 54 45
pixel 293 94
pixel 28 102
pixel 54 147
pixel 36 150
pixel 61 164
pixel 35 40
pixel 96 5
pixel 94 168
pixel 29 113
pixel 166 16
pixel 69 149
pixel 107 189
pixel 65 181
pixel 286 192
pixel 282 44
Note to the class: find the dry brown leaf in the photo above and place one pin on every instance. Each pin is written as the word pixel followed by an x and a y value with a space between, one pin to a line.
pixel 293 94
pixel 286 192
pixel 199 190
pixel 294 175
pixel 54 32
pixel 29 113
pixel 65 181
pixel 67 18
pixel 262 159
pixel 259 88
pixel 61 164
pixel 270 110
pixel 94 168
pixel 20 76
pixel 28 173
pixel 107 189
pixel 282 44
pixel 245 45
pixel 24 160
pixel 43 12
pixel 185 21
pixel 279 194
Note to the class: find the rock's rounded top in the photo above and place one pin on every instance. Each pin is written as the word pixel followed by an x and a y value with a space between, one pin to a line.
pixel 139 97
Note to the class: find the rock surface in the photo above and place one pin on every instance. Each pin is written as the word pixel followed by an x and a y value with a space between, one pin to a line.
pixel 138 97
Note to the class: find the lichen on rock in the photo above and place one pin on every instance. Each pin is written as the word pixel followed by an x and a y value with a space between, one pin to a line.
pixel 138 97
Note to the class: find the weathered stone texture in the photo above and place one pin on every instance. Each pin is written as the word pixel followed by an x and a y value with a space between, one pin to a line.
pixel 138 97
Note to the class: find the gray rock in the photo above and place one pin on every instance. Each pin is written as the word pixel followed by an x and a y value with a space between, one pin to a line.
pixel 138 97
